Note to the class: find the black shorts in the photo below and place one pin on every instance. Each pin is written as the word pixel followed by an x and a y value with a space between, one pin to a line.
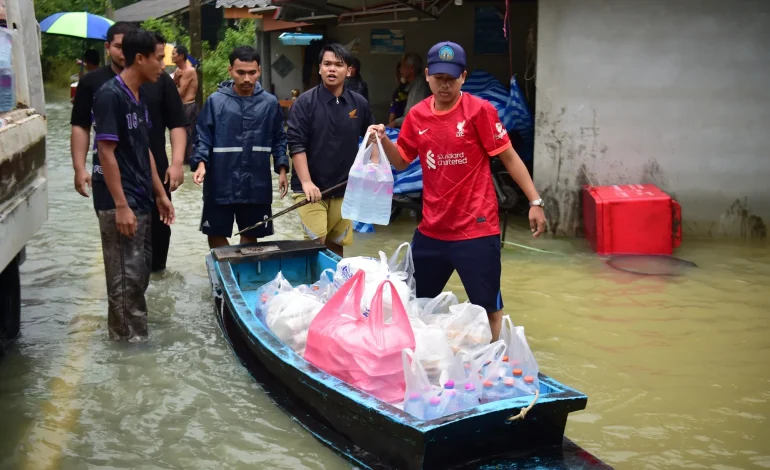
pixel 477 261
pixel 217 219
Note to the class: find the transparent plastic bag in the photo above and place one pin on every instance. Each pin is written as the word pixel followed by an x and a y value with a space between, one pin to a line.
pixel 289 315
pixel 466 325
pixel 322 289
pixel 268 291
pixel 424 308
pixel 431 348
pixel 522 365
pixel 369 192
pixel 405 265
pixel 419 389
pixel 377 271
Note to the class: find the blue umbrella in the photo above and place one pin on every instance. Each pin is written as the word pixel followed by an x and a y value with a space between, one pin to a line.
pixel 78 24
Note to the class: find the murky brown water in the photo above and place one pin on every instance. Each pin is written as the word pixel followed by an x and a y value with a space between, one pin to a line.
pixel 677 371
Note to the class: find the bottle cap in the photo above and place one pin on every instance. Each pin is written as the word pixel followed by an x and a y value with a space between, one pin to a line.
pixel 414 396
pixel 449 384
pixel 505 358
pixel 435 401
pixel 487 384
pixel 508 382
pixel 529 380
pixel 517 372
pixel 470 387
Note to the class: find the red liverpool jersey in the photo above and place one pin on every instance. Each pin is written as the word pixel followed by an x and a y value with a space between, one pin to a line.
pixel 459 201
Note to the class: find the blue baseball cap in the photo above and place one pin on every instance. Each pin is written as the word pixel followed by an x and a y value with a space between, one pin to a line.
pixel 446 57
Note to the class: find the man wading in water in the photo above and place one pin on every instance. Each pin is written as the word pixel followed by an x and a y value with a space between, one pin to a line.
pixel 186 79
pixel 124 182
pixel 455 134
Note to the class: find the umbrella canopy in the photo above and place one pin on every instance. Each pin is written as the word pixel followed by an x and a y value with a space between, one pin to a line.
pixel 77 24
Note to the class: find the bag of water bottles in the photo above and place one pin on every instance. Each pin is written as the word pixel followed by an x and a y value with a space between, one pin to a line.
pixel 369 192
pixel 363 351
pixel 521 364
pixel 418 391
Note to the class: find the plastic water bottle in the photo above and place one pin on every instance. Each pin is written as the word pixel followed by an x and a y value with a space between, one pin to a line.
pixel 433 411
pixel 7 77
pixel 505 367
pixel 468 399
pixel 449 402
pixel 415 406
pixel 488 390
pixel 529 384
pixel 509 388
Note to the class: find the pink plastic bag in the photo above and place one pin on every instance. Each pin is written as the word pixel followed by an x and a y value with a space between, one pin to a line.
pixel 363 351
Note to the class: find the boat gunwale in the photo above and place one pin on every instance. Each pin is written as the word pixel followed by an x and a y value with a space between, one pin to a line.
pixel 255 330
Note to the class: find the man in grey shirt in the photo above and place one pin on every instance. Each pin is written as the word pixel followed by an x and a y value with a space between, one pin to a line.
pixel 417 89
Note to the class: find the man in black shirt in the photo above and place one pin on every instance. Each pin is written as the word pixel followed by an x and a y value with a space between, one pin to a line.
pixel 323 129
pixel 165 108
pixel 124 181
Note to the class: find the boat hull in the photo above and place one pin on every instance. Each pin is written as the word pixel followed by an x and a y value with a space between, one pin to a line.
pixel 371 433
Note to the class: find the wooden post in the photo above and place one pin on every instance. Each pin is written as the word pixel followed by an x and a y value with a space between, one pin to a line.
pixel 263 48
pixel 195 45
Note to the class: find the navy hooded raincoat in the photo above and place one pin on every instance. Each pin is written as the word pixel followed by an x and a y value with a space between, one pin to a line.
pixel 235 137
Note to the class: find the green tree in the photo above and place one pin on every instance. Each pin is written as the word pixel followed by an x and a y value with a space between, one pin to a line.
pixel 216 62
pixel 172 30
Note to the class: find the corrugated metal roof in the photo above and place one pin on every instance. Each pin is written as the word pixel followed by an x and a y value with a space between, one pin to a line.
pixel 240 3
pixel 151 9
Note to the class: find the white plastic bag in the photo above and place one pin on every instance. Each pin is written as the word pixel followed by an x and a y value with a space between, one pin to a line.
pixel 376 271
pixel 405 265
pixel 425 308
pixel 268 291
pixel 369 192
pixel 466 326
pixel 323 289
pixel 419 390
pixel 289 315
pixel 521 361
pixel 431 348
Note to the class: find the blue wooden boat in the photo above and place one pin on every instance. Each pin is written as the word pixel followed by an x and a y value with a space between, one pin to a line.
pixel 369 432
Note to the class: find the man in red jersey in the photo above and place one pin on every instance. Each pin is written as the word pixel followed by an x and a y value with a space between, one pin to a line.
pixel 455 134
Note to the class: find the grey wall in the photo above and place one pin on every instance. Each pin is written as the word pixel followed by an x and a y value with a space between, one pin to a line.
pixel 455 24
pixel 283 86
pixel 675 93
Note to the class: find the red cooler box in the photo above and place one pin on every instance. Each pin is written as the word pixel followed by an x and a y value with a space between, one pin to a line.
pixel 631 219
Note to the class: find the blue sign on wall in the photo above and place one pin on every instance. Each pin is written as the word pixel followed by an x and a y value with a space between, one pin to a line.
pixel 387 41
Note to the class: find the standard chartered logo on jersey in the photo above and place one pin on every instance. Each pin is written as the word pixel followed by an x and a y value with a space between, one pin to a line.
pixel 433 160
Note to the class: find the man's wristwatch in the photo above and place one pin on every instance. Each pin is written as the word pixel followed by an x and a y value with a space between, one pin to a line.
pixel 536 202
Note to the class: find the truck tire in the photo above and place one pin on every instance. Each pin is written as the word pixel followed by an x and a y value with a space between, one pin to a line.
pixel 10 301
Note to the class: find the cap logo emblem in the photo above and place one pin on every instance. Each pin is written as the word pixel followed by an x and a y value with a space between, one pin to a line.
pixel 446 53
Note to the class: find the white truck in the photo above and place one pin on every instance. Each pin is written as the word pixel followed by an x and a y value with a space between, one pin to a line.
pixel 23 172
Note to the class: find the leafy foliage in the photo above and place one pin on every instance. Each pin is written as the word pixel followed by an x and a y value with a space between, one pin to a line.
pixel 216 63
pixel 173 31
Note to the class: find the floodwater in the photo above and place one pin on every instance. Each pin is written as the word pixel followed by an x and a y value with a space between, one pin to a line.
pixel 676 370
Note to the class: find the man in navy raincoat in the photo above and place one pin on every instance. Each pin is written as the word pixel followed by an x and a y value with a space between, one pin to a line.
pixel 240 126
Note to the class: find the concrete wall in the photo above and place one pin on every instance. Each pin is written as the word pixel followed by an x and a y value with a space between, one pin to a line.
pixel 283 86
pixel 674 93
pixel 455 24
